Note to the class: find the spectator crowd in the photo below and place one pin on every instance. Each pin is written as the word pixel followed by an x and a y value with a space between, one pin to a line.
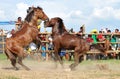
pixel 95 36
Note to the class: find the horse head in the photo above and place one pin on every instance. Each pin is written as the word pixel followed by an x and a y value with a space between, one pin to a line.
pixel 57 24
pixel 38 13
pixel 55 21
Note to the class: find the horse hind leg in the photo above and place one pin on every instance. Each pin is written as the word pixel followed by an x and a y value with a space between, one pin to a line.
pixel 13 62
pixel 9 54
pixel 6 54
pixel 12 58
pixel 21 55
pixel 20 62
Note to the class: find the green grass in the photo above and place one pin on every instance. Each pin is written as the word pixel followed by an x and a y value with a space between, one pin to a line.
pixel 3 57
pixel 109 61
pixel 12 77
pixel 8 77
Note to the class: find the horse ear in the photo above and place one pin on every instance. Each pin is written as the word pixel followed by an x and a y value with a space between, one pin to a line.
pixel 60 20
pixel 28 10
pixel 39 7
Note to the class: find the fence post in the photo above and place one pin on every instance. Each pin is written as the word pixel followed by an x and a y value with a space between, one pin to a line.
pixel 84 57
pixel 3 47
pixel 47 54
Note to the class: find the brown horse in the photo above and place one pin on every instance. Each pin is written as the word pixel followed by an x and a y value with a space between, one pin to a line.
pixel 62 39
pixel 22 38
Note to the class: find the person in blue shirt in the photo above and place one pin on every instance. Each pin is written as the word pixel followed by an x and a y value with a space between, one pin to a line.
pixel 43 53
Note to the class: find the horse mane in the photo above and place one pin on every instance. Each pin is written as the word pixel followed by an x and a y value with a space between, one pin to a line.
pixel 30 13
pixel 29 16
pixel 61 26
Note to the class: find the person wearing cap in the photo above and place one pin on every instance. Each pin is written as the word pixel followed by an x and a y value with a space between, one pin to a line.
pixel 94 36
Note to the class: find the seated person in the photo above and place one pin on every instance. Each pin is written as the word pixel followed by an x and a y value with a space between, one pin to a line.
pixel 18 24
pixel 11 33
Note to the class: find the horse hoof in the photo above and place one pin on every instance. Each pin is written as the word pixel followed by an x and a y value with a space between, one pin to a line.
pixel 16 69
pixel 72 66
pixel 27 69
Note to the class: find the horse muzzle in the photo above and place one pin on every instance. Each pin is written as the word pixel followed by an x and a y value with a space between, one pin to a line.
pixel 46 22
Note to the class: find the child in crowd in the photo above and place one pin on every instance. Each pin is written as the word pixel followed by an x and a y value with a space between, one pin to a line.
pixel 100 37
pixel 117 38
pixel 43 49
pixel 89 39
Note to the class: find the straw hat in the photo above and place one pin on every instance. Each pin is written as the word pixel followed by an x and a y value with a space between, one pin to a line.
pixel 94 31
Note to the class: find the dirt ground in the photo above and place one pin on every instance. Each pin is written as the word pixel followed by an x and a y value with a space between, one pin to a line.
pixel 46 70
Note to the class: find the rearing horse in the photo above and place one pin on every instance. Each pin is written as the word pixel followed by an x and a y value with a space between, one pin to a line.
pixel 62 39
pixel 29 32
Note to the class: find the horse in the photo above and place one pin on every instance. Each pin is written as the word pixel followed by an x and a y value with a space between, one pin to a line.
pixel 14 49
pixel 63 40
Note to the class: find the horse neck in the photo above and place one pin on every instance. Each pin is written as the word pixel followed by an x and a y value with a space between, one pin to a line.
pixel 57 31
pixel 64 30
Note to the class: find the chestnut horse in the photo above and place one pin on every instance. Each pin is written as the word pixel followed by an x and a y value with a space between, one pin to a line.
pixel 29 32
pixel 63 40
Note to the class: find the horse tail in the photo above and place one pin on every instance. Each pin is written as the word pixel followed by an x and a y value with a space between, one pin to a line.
pixel 6 54
pixel 9 54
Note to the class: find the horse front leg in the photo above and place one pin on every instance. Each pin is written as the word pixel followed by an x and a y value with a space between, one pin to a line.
pixel 12 58
pixel 76 61
pixel 57 57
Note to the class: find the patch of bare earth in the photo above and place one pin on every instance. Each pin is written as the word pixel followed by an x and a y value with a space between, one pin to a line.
pixel 46 70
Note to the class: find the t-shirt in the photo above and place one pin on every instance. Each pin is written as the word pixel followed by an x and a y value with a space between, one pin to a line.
pixel 100 36
pixel 8 35
pixel 94 38
pixel 32 46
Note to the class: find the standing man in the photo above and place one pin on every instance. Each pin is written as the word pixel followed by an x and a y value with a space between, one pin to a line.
pixel 117 38
pixel 81 32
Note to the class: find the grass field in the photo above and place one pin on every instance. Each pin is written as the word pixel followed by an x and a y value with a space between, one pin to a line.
pixel 95 69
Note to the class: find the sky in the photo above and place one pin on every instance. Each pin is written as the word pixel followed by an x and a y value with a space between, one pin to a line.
pixel 94 14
